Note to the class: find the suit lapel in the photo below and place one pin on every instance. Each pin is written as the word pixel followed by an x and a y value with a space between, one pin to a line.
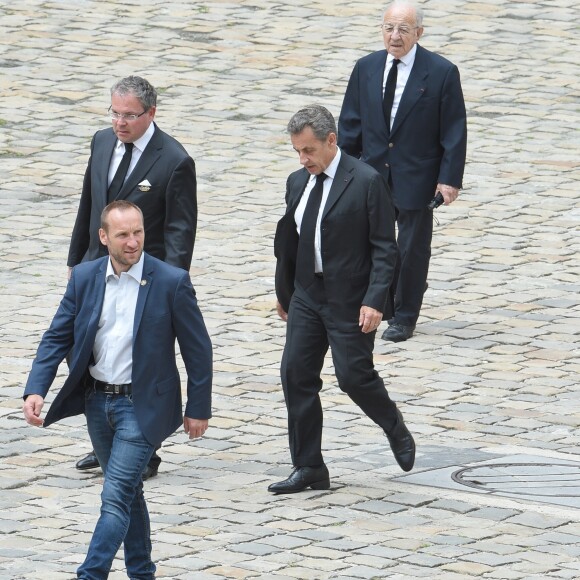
pixel 414 89
pixel 148 158
pixel 341 181
pixel 86 349
pixel 145 286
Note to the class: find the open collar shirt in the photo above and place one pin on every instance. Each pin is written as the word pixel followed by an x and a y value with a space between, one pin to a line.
pixel 113 348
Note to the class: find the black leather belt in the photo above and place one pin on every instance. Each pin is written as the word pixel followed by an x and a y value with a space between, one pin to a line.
pixel 112 389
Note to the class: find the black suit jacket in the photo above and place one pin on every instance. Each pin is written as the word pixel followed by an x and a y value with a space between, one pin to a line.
pixel 169 204
pixel 358 245
pixel 427 144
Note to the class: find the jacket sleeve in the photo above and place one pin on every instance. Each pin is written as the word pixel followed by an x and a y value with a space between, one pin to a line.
pixel 196 350
pixel 453 125
pixel 55 344
pixel 79 243
pixel 181 215
pixel 383 244
pixel 349 121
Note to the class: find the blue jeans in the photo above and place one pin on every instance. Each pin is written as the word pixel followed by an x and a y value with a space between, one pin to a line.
pixel 123 453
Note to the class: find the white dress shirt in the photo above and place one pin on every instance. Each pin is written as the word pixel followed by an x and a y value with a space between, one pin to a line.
pixel 113 348
pixel 330 172
pixel 403 72
pixel 138 148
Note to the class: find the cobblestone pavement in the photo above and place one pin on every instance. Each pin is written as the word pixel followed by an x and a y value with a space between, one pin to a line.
pixel 488 384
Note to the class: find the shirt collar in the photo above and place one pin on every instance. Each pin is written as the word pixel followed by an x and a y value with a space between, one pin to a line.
pixel 135 271
pixel 330 171
pixel 143 141
pixel 407 60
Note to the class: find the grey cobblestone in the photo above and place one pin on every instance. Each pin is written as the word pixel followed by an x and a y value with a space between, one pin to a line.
pixel 490 373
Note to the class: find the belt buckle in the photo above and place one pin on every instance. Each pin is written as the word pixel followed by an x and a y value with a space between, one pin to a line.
pixel 117 389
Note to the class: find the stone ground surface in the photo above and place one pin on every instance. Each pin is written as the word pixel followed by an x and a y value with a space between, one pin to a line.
pixel 489 379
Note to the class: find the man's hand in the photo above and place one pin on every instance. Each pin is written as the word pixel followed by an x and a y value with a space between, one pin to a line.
pixel 32 408
pixel 448 192
pixel 281 313
pixel 195 428
pixel 369 319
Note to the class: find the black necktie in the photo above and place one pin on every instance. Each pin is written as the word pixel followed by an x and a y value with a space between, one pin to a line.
pixel 305 257
pixel 121 173
pixel 389 96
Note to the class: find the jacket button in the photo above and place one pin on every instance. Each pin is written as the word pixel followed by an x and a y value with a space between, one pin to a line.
pixel 386 165
pixel 391 145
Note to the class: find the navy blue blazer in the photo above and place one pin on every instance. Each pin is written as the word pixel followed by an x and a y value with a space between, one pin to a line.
pixel 169 203
pixel 427 144
pixel 166 310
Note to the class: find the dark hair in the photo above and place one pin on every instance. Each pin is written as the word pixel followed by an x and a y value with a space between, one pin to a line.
pixel 121 205
pixel 139 87
pixel 317 117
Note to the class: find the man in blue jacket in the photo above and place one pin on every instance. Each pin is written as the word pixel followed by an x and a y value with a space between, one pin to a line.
pixel 119 319
pixel 404 114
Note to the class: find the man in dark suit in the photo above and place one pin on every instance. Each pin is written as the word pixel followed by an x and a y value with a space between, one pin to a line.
pixel 135 160
pixel 336 254
pixel 119 319
pixel 403 114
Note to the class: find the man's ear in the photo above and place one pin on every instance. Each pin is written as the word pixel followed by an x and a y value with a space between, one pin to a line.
pixel 103 236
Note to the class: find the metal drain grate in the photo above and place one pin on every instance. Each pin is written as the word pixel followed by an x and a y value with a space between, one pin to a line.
pixel 525 477
pixel 535 479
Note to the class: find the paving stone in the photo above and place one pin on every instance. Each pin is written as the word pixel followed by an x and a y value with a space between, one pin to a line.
pixel 492 367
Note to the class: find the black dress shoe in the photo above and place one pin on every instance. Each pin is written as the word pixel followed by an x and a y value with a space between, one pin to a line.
pixel 88 462
pixel 150 471
pixel 398 333
pixel 402 444
pixel 301 478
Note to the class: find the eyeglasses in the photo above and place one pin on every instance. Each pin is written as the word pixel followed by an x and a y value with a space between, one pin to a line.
pixel 403 30
pixel 125 116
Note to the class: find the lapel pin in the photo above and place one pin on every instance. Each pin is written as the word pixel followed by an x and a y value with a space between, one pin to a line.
pixel 143 282
pixel 144 185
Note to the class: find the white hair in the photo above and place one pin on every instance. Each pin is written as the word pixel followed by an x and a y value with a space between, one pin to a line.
pixel 418 10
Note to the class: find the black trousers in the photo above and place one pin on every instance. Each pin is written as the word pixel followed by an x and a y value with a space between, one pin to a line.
pixel 415 231
pixel 311 328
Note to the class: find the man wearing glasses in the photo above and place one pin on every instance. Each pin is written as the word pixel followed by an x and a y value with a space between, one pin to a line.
pixel 135 161
pixel 404 114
